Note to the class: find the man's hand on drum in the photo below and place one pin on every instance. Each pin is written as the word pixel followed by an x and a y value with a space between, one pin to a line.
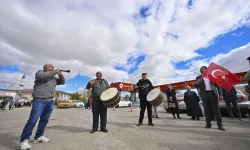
pixel 135 87
pixel 92 82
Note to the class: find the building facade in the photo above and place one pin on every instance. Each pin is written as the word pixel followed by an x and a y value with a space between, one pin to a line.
pixel 26 94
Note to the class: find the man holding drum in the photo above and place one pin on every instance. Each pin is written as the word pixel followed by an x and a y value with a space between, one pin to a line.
pixel 98 85
pixel 145 86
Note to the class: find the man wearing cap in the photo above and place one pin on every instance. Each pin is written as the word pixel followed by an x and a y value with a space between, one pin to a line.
pixel 145 86
pixel 247 78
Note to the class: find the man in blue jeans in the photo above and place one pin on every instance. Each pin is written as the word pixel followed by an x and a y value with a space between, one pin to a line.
pixel 43 95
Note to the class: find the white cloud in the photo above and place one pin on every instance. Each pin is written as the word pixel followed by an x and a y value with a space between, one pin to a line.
pixel 87 36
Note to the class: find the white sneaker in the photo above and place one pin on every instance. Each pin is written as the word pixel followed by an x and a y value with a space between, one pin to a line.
pixel 41 139
pixel 24 145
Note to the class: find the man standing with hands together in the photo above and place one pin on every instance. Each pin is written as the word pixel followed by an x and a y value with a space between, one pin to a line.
pixel 98 85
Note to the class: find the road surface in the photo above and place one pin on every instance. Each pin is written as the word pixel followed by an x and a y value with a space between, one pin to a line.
pixel 69 129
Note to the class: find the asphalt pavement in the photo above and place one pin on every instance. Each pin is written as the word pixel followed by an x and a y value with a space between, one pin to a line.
pixel 69 129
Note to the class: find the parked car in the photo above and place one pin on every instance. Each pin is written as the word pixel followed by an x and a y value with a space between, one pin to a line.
pixel 77 103
pixel 124 103
pixel 243 103
pixel 63 104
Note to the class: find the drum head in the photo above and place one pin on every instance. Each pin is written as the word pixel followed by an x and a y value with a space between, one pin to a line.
pixel 108 94
pixel 153 94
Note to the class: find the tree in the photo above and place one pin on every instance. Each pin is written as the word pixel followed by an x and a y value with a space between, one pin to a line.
pixel 76 96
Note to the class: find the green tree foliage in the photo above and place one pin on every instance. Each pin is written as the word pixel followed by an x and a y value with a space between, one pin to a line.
pixel 76 96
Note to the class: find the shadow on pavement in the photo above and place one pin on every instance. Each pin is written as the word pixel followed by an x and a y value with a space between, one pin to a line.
pixel 123 125
pixel 70 129
pixel 8 140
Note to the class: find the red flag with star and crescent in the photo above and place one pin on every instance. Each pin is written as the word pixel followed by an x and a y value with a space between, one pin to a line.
pixel 221 76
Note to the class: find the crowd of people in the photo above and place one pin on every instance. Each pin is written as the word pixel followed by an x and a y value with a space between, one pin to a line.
pixel 44 94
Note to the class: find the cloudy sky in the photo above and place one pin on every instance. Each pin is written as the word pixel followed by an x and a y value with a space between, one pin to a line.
pixel 169 40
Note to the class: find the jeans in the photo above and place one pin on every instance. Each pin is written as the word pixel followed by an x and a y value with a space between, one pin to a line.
pixel 40 109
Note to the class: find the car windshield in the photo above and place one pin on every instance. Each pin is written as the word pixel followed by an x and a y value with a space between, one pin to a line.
pixel 79 101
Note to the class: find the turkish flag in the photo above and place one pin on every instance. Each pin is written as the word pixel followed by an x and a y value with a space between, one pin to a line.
pixel 221 76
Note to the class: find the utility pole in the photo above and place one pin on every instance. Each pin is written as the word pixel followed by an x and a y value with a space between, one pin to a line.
pixel 21 85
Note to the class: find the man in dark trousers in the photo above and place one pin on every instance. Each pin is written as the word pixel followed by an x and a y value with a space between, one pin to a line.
pixel 145 86
pixel 210 93
pixel 98 85
pixel 231 97
pixel 172 94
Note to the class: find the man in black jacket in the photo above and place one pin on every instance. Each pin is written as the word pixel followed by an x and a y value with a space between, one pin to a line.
pixel 172 94
pixel 145 86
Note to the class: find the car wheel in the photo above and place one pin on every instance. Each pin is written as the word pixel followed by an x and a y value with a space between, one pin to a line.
pixel 129 105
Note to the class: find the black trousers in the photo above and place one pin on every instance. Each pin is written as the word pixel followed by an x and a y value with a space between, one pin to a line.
pixel 176 107
pixel 145 104
pixel 228 101
pixel 98 109
pixel 210 102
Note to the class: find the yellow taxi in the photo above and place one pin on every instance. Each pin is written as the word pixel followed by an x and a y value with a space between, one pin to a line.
pixel 63 104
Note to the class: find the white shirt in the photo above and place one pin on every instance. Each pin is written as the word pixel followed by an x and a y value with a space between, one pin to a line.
pixel 207 84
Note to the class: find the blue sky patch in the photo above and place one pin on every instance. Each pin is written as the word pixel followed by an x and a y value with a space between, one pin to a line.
pixel 222 44
pixel 10 69
pixel 134 62
pixel 76 83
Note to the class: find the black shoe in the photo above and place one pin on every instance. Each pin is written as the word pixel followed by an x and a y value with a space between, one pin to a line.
pixel 93 131
pixel 198 118
pixel 156 117
pixel 151 124
pixel 208 126
pixel 179 117
pixel 139 124
pixel 221 128
pixel 104 130
pixel 193 118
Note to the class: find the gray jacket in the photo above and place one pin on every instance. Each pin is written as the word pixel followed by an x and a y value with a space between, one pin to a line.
pixel 45 84
pixel 98 88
